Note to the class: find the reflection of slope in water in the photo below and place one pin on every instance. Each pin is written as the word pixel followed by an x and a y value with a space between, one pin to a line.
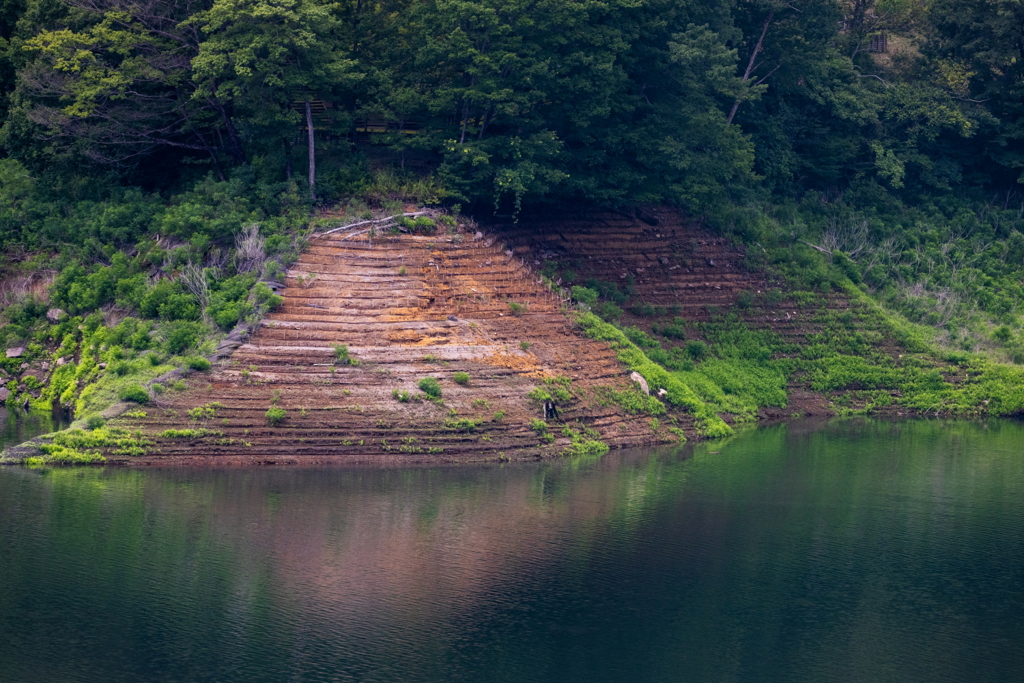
pixel 855 550
pixel 376 548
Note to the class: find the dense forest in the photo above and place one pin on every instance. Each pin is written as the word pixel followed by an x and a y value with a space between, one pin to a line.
pixel 160 157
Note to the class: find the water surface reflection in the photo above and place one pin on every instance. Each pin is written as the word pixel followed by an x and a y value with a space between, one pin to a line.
pixel 849 551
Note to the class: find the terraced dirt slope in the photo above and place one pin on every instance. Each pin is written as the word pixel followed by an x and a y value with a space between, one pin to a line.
pixel 662 257
pixel 671 267
pixel 407 307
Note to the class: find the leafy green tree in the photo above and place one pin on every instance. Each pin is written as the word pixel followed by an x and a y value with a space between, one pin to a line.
pixel 978 51
pixel 114 84
pixel 265 56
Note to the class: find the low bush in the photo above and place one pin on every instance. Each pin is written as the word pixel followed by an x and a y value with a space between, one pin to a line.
pixel 641 338
pixel 183 335
pixel 198 363
pixel 189 433
pixel 430 386
pixel 584 295
pixel 697 350
pixel 461 378
pixel 461 424
pixel 120 368
pixel 275 416
pixel 207 411
pixel 135 393
pixel 342 355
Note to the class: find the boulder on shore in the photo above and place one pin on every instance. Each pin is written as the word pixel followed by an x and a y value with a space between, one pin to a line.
pixel 639 379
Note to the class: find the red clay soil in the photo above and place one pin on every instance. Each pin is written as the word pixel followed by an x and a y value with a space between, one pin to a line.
pixel 407 307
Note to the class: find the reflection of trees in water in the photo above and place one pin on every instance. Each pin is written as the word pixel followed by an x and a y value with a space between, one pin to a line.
pixel 415 563
pixel 18 426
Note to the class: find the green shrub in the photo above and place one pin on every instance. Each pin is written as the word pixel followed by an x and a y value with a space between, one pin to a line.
pixel 60 455
pixel 645 310
pixel 275 416
pixel 189 433
pixel 94 422
pixel 198 363
pixel 229 300
pixel 425 225
pixel 207 411
pixel 183 335
pixel 461 424
pixel 461 378
pixel 135 393
pixel 696 349
pixel 499 416
pixel 584 295
pixel 431 387
pixel 631 400
pixel 607 311
pixel 674 330
pixel 555 390
pixel 120 368
pixel 341 355
pixel 640 338
pixel 581 445
pixel 401 395
pixel 1002 334
pixel 516 309
pixel 539 426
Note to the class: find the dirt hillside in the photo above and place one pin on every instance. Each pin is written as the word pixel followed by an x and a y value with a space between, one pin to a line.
pixel 407 307
pixel 672 268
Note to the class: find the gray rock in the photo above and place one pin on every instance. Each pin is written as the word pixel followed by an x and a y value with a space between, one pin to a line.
pixel 639 379
pixel 61 361
pixel 4 393
pixel 16 352
pixel 55 315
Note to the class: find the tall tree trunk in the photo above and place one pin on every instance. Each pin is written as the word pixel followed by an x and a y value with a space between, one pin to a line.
pixel 753 59
pixel 234 146
pixel 312 152
pixel 287 160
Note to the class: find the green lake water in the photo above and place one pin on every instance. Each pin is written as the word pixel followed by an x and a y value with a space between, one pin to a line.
pixel 843 551
pixel 18 426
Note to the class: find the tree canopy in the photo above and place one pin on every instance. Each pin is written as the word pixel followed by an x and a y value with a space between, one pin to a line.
pixel 512 101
